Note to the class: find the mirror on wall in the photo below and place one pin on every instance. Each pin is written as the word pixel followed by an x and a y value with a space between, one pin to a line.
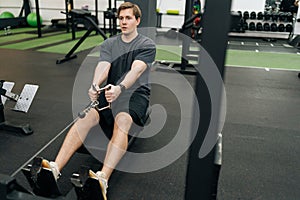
pixel 282 5
pixel 273 5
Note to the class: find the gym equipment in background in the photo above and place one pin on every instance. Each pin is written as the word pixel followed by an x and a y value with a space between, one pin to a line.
pixel 7 18
pixel 111 15
pixel 23 100
pixel 32 20
pixel 269 25
pixel 71 21
pixel 191 30
pixel 65 22
pixel 6 15
pixel 87 16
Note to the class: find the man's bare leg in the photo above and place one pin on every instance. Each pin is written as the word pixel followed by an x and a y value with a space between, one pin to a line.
pixel 75 137
pixel 118 143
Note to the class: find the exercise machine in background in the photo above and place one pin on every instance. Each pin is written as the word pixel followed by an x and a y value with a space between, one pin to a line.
pixel 86 15
pixel 23 100
pixel 191 30
pixel 71 21
pixel 111 15
pixel 17 21
pixel 64 22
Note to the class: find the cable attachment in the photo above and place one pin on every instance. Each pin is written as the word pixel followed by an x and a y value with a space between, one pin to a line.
pixel 99 91
pixel 93 104
pixel 103 108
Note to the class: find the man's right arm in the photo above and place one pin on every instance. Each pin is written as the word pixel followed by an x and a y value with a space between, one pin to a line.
pixel 100 76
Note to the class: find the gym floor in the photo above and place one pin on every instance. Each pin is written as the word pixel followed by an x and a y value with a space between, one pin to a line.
pixel 260 138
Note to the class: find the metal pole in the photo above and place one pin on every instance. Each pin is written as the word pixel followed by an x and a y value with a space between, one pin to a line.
pixel 96 12
pixel 201 180
pixel 38 18
pixel 186 41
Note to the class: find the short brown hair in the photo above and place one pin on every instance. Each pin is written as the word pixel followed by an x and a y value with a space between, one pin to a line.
pixel 136 10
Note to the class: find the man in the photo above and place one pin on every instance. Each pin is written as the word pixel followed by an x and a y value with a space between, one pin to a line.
pixel 289 6
pixel 270 3
pixel 124 65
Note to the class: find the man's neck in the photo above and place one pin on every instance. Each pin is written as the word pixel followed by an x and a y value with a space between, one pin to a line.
pixel 129 37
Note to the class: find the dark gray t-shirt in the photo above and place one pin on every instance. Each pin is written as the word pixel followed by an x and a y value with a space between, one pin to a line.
pixel 121 55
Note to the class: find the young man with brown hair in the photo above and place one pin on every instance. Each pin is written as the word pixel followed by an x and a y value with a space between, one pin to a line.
pixel 124 66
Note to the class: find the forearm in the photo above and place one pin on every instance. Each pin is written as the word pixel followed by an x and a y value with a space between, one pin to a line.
pixel 101 73
pixel 132 76
pixel 137 68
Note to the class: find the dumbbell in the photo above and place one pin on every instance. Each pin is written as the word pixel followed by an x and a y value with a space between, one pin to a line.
pixel 245 26
pixel 267 27
pixel 289 28
pixel 274 17
pixel 240 13
pixel 259 26
pixel 282 16
pixel 274 27
pixel 252 26
pixel 260 16
pixel 289 17
pixel 281 28
pixel 267 16
pixel 253 15
pixel 246 15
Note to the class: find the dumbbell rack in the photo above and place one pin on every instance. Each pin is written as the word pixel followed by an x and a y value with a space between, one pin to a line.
pixel 277 25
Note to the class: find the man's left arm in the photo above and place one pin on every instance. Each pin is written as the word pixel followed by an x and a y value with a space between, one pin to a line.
pixel 137 69
pixel 140 64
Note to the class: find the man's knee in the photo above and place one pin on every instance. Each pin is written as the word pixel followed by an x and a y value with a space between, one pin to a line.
pixel 123 121
pixel 90 120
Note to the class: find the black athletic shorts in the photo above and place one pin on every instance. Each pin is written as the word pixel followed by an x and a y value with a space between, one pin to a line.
pixel 136 105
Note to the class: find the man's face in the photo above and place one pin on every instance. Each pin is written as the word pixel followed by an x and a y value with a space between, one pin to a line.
pixel 128 22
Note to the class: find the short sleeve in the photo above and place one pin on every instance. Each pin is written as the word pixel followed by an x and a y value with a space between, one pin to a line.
pixel 147 52
pixel 105 52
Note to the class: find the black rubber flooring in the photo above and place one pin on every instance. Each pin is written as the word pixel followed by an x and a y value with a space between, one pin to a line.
pixel 260 137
